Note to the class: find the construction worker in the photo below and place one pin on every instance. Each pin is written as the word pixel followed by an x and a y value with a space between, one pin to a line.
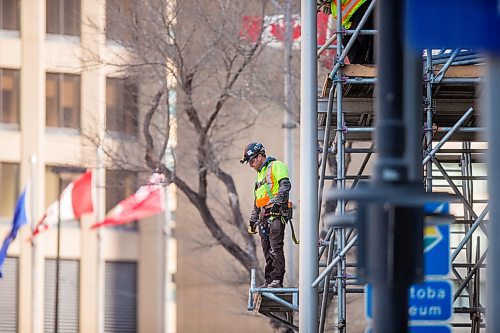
pixel 270 209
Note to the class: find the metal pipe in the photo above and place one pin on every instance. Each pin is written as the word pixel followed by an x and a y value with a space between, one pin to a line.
pixel 340 233
pixel 444 81
pixel 361 32
pixel 454 187
pixel 429 109
pixel 289 129
pixel 334 262
pixel 468 235
pixel 390 285
pixel 308 251
pixel 327 44
pixel 326 142
pixel 280 300
pixel 445 138
pixel 443 70
pixel 324 300
pixel 359 80
pixel 469 276
pixel 461 80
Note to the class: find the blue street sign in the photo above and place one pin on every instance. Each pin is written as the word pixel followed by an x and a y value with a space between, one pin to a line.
pixel 437 242
pixel 428 301
pixel 423 329
pixel 453 24
pixel 430 329
pixel 437 208
pixel 437 250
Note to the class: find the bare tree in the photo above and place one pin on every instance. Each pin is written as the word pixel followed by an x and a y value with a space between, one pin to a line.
pixel 196 52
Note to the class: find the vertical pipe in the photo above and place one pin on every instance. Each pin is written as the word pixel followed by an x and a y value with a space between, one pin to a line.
pixel 58 254
pixel 340 234
pixel 429 110
pixel 308 257
pixel 170 309
pixel 390 301
pixel 99 215
pixel 326 287
pixel 492 101
pixel 289 125
pixel 34 243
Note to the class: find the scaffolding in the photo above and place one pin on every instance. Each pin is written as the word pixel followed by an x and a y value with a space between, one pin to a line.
pixel 346 118
pixel 452 161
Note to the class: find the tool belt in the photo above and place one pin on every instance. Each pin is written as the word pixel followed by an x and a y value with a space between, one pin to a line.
pixel 285 213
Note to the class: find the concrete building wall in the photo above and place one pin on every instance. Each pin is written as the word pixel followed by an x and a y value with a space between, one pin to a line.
pixel 34 53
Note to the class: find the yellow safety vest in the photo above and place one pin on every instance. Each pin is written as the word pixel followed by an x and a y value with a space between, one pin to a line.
pixel 267 183
pixel 348 9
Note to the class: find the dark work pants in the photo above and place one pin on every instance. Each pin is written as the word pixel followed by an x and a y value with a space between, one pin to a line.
pixel 271 237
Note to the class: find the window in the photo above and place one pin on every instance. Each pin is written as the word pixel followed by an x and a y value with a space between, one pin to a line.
pixel 62 100
pixel 9 183
pixel 9 14
pixel 120 184
pixel 9 98
pixel 63 17
pixel 121 106
pixel 120 20
pixel 120 297
pixel 9 296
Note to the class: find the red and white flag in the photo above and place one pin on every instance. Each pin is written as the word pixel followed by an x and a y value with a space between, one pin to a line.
pixel 147 201
pixel 76 199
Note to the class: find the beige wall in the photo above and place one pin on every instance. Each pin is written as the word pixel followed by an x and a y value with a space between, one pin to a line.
pixel 212 290
pixel 34 53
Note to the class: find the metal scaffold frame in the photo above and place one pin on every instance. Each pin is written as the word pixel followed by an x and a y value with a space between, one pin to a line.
pixel 468 258
pixel 439 114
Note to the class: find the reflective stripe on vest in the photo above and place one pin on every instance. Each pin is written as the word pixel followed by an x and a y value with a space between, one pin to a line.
pixel 262 199
pixel 348 9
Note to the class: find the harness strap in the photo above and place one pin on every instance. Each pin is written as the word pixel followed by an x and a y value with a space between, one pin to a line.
pixel 294 238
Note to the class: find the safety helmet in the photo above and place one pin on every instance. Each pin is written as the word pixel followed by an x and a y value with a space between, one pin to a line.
pixel 252 150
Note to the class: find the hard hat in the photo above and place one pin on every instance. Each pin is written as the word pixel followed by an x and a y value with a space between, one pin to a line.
pixel 252 150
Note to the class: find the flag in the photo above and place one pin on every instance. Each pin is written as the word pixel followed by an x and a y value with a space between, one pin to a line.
pixel 76 200
pixel 147 201
pixel 20 218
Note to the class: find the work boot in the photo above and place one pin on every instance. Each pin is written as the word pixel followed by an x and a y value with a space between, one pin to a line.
pixel 275 284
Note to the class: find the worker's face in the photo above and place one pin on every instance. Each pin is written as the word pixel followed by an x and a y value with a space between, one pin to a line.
pixel 256 162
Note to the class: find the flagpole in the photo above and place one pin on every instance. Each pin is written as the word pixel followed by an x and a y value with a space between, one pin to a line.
pixel 35 310
pixel 56 317
pixel 99 213
pixel 170 324
pixel 60 171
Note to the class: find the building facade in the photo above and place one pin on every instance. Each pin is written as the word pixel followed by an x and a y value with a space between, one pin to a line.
pixel 50 107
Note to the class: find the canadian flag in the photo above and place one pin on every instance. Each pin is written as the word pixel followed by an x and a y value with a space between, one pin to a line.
pixel 76 199
pixel 147 201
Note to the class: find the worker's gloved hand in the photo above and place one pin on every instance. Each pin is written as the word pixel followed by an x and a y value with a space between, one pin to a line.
pixel 252 229
pixel 275 209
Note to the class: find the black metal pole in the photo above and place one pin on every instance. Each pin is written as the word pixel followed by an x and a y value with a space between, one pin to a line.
pixel 395 230
pixel 61 172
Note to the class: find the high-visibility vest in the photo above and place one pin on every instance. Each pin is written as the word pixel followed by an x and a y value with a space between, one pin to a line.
pixel 348 9
pixel 267 183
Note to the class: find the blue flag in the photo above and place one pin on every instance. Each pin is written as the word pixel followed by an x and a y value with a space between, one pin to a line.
pixel 20 218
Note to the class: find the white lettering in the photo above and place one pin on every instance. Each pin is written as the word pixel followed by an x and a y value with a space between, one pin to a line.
pixel 424 310
pixel 427 292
